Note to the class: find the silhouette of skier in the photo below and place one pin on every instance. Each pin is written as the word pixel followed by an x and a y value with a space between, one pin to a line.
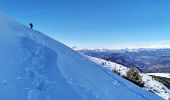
pixel 31 25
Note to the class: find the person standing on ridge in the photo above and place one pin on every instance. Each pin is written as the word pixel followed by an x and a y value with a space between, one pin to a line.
pixel 31 25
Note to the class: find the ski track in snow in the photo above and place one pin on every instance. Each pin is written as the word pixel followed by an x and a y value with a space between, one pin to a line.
pixel 40 81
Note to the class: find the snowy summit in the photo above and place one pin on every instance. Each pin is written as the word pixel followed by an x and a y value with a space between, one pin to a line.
pixel 36 67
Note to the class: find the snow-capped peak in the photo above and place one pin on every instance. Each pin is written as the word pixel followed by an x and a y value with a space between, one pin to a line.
pixel 132 48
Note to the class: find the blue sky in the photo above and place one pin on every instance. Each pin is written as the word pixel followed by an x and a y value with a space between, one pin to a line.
pixel 95 23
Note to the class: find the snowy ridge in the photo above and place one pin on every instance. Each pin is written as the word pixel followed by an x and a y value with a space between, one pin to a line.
pixel 130 49
pixel 33 66
pixel 149 83
pixel 164 44
pixel 91 49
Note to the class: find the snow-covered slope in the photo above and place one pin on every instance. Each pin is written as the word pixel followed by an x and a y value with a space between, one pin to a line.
pixel 36 67
pixel 149 83
pixel 166 75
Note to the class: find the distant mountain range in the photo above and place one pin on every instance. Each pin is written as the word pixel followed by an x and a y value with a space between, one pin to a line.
pixel 146 60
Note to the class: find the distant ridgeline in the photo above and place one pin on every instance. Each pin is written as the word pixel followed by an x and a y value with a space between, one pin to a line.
pixel 146 60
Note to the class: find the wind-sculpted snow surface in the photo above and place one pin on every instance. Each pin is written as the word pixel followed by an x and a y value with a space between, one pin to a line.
pixel 36 67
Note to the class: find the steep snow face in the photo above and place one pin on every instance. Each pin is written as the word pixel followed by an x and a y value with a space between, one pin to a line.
pixel 36 67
